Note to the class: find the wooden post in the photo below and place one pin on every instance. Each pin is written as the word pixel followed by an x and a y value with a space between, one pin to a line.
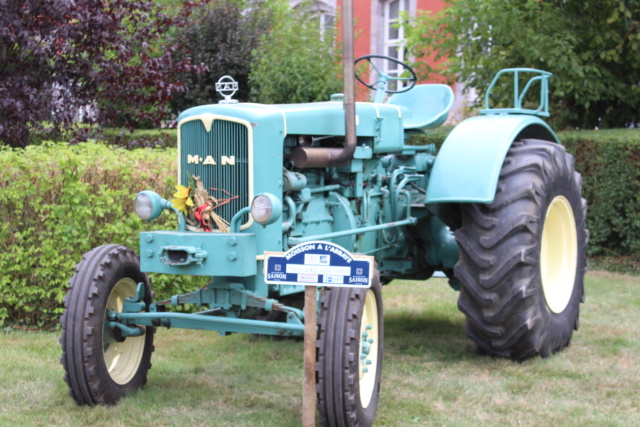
pixel 310 321
pixel 309 381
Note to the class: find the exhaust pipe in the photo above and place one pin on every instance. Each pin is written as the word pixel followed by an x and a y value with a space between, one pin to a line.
pixel 309 157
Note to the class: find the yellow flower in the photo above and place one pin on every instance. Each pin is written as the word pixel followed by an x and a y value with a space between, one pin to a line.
pixel 182 198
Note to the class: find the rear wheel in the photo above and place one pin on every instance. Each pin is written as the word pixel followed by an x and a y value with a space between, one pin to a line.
pixel 523 257
pixel 349 355
pixel 100 365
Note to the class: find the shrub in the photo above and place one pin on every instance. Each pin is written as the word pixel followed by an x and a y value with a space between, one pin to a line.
pixel 609 161
pixel 110 60
pixel 141 138
pixel 296 61
pixel 222 38
pixel 592 47
pixel 435 136
pixel 56 203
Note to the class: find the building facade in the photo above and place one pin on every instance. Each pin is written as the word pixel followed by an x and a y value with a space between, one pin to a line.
pixel 376 22
pixel 377 33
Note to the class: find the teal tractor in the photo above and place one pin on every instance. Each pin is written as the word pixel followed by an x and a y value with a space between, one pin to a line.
pixel 498 210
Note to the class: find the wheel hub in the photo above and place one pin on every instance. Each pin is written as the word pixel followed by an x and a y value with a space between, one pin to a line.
pixel 122 356
pixel 558 254
pixel 366 349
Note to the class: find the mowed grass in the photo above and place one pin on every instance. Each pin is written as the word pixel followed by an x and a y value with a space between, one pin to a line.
pixel 431 374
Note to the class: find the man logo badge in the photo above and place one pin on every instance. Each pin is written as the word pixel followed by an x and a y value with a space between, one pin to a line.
pixel 227 87
pixel 194 159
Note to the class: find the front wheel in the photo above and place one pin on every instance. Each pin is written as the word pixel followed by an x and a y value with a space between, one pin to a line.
pixel 100 365
pixel 349 354
pixel 523 257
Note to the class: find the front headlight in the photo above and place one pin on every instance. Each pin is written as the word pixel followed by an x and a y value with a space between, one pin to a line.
pixel 149 205
pixel 266 208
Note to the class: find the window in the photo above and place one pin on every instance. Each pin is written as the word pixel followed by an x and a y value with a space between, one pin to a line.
pixel 393 38
pixel 326 22
pixel 321 11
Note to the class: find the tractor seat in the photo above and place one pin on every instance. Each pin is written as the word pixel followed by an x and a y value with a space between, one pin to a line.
pixel 425 106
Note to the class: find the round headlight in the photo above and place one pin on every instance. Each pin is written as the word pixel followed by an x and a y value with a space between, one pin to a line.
pixel 143 206
pixel 261 209
pixel 149 205
pixel 266 208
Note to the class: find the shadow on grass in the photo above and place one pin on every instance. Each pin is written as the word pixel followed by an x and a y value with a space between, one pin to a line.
pixel 422 334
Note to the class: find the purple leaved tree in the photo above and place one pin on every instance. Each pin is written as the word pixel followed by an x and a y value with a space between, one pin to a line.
pixel 107 61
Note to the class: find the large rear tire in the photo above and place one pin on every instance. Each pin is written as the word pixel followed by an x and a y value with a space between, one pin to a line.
pixel 349 355
pixel 523 257
pixel 100 365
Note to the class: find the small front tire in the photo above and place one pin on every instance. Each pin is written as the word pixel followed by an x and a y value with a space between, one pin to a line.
pixel 100 365
pixel 349 354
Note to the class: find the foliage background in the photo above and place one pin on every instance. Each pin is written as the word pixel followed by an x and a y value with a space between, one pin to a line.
pixel 592 48
pixel 137 64
pixel 223 37
pixel 297 61
pixel 59 201
pixel 609 161
pixel 110 61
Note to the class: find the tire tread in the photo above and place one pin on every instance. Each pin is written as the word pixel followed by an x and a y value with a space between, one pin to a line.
pixel 81 320
pixel 499 256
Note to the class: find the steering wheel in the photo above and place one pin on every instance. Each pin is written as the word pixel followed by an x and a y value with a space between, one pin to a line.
pixel 380 86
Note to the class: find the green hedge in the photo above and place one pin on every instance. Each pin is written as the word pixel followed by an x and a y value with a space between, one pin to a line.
pixel 59 201
pixel 609 161
pixel 435 136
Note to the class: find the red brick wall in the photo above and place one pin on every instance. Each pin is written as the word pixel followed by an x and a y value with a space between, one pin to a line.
pixel 362 16
pixel 362 46
pixel 435 6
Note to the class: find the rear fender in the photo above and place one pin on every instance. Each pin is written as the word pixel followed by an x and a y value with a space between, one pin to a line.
pixel 468 164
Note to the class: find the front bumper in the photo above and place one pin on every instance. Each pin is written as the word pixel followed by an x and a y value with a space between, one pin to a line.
pixel 198 253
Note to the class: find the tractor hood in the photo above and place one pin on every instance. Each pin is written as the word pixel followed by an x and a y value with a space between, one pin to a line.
pixel 383 122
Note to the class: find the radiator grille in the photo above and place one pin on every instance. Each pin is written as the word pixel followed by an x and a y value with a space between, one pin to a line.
pixel 228 145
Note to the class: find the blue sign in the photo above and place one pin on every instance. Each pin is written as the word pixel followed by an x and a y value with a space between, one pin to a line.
pixel 318 264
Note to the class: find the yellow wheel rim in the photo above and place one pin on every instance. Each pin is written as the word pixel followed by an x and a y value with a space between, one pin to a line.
pixel 368 360
pixel 558 254
pixel 122 358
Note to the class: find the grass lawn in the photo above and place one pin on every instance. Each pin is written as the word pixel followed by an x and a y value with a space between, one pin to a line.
pixel 431 374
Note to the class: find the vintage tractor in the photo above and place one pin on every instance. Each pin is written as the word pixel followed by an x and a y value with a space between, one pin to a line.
pixel 498 210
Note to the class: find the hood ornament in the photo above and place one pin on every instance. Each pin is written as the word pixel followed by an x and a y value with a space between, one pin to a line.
pixel 227 87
